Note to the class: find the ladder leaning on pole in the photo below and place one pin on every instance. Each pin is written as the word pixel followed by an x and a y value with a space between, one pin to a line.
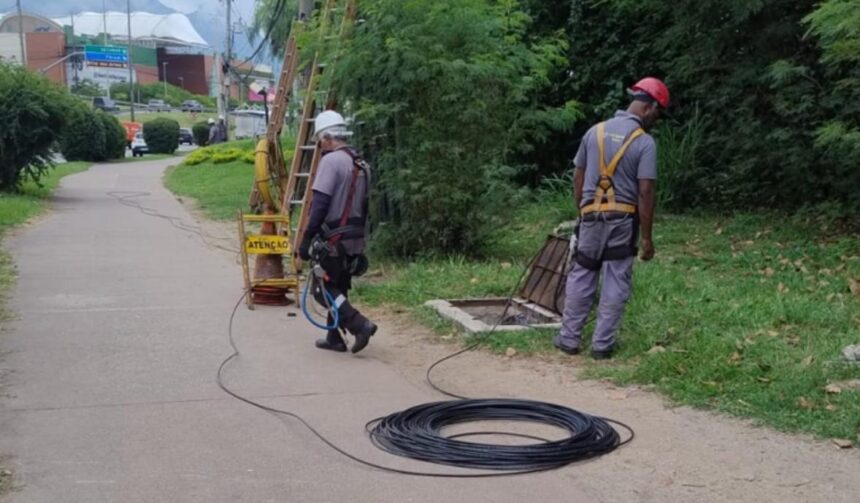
pixel 270 177
pixel 299 192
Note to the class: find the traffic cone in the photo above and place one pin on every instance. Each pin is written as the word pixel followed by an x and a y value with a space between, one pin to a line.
pixel 269 267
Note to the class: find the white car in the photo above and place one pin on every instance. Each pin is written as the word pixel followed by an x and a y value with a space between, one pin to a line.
pixel 138 146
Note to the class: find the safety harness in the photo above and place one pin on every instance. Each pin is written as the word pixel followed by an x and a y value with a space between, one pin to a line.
pixel 604 196
pixel 605 206
pixel 346 227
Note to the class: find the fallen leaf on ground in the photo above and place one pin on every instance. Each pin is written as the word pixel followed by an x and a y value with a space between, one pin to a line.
pixel 831 407
pixel 656 349
pixel 719 231
pixel 511 352
pixel 773 333
pixel 506 265
pixel 781 288
pixel 833 389
pixel 475 281
pixel 854 286
pixel 793 341
pixel 806 362
pixel 843 443
pixel 735 358
pixel 768 271
pixel 805 403
pixel 763 379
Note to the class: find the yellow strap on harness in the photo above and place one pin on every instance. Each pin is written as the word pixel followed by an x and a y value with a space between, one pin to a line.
pixel 605 188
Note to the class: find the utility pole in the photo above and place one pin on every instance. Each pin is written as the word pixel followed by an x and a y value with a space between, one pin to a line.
pixel 21 35
pixel 104 23
pixel 130 67
pixel 228 57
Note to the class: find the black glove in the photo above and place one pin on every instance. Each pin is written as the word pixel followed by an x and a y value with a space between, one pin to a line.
pixel 305 249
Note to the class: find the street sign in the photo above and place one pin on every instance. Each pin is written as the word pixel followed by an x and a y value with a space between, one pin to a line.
pixel 106 56
pixel 267 245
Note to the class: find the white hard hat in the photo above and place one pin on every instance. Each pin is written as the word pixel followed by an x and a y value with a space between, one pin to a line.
pixel 211 120
pixel 327 120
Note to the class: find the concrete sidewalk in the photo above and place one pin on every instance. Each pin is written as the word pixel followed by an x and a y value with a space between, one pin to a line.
pixel 109 374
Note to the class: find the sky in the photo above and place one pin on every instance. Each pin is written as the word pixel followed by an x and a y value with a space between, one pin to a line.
pixel 207 16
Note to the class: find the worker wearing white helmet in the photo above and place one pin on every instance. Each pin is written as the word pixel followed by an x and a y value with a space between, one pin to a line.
pixel 217 130
pixel 336 233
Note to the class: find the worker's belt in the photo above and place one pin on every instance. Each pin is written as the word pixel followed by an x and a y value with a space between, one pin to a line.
pixel 606 211
pixel 354 229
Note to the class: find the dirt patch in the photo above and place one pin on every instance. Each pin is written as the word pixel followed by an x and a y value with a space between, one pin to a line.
pixel 679 453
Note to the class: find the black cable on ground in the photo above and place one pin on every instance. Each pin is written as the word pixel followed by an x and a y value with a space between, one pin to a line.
pixel 417 433
pixel 126 198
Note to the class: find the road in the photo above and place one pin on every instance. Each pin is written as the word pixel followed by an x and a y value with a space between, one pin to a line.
pixel 108 373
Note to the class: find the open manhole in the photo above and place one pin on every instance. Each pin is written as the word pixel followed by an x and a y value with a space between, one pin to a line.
pixel 537 305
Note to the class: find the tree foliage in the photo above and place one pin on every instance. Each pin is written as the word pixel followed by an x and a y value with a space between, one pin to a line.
pixel 445 93
pixel 32 115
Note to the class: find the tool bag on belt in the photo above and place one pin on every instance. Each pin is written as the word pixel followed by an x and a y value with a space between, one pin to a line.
pixel 604 205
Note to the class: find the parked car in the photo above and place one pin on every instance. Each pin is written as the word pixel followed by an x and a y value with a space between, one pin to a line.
pixel 191 106
pixel 186 136
pixel 138 146
pixel 157 106
pixel 105 103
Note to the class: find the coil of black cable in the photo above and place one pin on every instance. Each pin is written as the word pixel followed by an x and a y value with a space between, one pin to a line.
pixel 416 433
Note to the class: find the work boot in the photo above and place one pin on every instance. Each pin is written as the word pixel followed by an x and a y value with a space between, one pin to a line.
pixel 564 349
pixel 603 355
pixel 332 342
pixel 363 335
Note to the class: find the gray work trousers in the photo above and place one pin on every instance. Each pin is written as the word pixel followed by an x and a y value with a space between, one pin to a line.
pixel 594 238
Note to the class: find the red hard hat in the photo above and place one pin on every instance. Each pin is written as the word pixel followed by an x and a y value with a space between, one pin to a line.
pixel 655 88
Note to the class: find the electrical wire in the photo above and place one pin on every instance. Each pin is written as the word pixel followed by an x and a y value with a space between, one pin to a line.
pixel 125 198
pixel 329 300
pixel 416 433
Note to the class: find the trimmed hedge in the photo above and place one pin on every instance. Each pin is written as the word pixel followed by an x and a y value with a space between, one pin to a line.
pixel 200 131
pixel 115 136
pixel 84 136
pixel 161 135
pixel 92 135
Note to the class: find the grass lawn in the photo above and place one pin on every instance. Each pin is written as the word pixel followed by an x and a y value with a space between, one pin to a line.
pixel 219 189
pixel 748 313
pixel 18 208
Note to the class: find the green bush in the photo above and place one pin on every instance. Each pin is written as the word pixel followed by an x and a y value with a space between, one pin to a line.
pixel 201 133
pixel 446 95
pixel 161 135
pixel 84 137
pixel 115 137
pixel 228 155
pixel 33 114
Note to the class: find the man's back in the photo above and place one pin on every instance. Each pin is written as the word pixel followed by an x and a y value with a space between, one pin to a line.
pixel 638 163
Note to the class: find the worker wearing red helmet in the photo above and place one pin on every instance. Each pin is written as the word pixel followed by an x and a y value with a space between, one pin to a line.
pixel 614 189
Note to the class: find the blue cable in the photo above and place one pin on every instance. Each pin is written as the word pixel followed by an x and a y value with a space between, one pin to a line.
pixel 332 308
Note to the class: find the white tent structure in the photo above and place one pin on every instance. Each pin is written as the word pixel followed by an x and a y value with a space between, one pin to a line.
pixel 168 29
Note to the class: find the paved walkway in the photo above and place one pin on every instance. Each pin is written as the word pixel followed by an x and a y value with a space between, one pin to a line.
pixel 108 374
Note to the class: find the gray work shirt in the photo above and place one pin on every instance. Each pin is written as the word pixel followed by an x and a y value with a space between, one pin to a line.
pixel 334 177
pixel 639 163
